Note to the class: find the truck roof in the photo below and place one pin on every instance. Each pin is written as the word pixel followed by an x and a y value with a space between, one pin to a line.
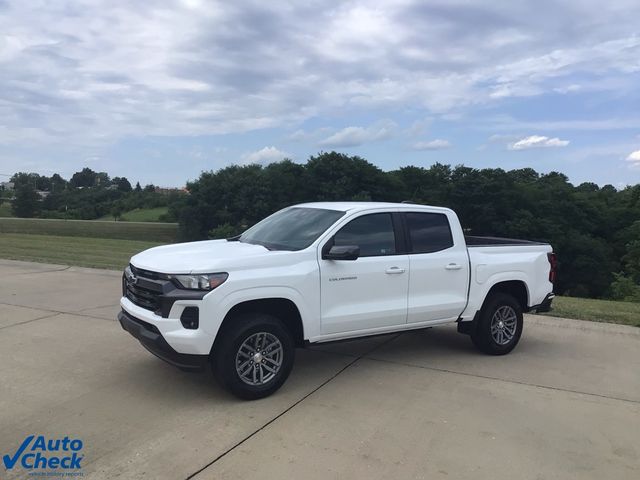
pixel 356 206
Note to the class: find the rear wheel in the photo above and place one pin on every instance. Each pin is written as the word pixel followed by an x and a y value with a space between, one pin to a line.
pixel 254 356
pixel 499 325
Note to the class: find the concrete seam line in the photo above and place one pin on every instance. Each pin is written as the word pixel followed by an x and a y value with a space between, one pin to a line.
pixel 516 382
pixel 329 352
pixel 99 306
pixel 60 312
pixel 29 321
pixel 94 317
pixel 289 408
pixel 30 308
pixel 44 271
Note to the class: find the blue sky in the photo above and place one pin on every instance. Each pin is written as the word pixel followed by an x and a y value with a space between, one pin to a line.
pixel 159 91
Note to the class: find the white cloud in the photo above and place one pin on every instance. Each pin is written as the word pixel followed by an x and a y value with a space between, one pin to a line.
pixel 537 141
pixel 507 122
pixel 94 73
pixel 500 137
pixel 568 88
pixel 437 144
pixel 264 155
pixel 419 127
pixel 298 136
pixel 355 136
pixel 634 157
pixel 192 69
pixel 302 135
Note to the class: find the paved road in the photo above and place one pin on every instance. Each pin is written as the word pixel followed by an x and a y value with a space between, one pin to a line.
pixel 565 404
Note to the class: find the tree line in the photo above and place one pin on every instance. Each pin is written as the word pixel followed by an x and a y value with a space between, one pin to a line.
pixel 87 195
pixel 595 230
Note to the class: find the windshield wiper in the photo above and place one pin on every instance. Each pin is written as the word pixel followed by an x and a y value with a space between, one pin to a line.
pixel 234 239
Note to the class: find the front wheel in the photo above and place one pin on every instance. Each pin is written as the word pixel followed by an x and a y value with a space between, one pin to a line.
pixel 499 325
pixel 254 356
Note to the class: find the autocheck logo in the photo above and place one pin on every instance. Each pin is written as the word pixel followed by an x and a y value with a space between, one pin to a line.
pixel 48 457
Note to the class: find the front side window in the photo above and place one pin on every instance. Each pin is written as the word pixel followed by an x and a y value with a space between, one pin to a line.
pixel 372 233
pixel 428 232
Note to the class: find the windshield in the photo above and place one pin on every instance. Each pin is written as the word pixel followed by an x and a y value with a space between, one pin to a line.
pixel 291 229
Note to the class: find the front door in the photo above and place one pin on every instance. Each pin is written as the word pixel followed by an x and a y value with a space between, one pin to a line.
pixel 368 292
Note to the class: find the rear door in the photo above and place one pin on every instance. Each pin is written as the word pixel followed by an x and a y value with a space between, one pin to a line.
pixel 439 278
pixel 371 291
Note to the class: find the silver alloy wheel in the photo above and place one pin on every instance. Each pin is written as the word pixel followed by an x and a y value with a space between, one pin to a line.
pixel 259 358
pixel 503 324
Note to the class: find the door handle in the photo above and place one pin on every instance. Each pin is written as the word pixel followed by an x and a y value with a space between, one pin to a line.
pixel 394 270
pixel 453 266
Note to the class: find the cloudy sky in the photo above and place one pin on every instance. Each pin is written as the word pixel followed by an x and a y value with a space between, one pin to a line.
pixel 160 90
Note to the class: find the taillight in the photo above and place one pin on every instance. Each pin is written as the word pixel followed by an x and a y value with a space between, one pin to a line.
pixel 553 263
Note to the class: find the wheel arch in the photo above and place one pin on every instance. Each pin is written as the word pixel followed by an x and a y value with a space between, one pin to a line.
pixel 515 288
pixel 282 308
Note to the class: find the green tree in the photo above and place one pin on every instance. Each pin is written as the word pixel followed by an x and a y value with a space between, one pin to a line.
pixel 624 288
pixel 83 179
pixel 117 210
pixel 122 183
pixel 25 202
pixel 102 180
pixel 631 258
pixel 335 176
pixel 58 184
pixel 225 230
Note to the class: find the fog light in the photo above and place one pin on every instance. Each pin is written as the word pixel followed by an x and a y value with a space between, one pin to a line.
pixel 189 318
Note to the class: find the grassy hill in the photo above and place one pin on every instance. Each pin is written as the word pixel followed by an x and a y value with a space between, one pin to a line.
pixel 65 250
pixel 145 231
pixel 626 313
pixel 5 210
pixel 140 215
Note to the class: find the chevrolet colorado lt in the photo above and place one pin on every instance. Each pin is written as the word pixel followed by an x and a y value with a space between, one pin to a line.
pixel 321 272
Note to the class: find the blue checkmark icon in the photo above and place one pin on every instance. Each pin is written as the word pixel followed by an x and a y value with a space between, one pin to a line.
pixel 10 462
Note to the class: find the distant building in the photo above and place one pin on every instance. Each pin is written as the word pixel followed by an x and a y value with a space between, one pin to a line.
pixel 6 185
pixel 170 190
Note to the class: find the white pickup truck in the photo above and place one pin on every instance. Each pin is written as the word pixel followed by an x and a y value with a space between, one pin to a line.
pixel 320 272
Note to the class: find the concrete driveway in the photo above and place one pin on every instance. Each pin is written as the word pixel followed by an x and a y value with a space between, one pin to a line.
pixel 565 404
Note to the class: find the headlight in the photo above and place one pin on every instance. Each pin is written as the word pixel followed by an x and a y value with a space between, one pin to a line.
pixel 202 281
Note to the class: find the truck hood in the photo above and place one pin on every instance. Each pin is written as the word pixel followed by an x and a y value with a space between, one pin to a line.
pixel 197 257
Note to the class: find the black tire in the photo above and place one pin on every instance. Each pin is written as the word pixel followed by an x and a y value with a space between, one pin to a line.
pixel 249 327
pixel 482 336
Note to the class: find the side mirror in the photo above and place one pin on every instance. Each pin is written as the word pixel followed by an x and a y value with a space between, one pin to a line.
pixel 342 252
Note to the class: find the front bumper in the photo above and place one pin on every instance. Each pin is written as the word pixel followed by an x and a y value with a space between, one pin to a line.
pixel 151 339
pixel 182 340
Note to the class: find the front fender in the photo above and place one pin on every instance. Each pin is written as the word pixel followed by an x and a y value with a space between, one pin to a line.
pixel 223 306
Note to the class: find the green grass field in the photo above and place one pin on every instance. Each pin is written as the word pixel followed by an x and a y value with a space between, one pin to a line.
pixel 625 313
pixel 145 231
pixel 140 215
pixel 80 251
pixel 5 210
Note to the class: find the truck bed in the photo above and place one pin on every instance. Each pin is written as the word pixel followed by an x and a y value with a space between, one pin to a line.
pixel 476 241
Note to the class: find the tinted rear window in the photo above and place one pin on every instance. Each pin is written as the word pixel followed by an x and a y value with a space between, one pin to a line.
pixel 428 232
